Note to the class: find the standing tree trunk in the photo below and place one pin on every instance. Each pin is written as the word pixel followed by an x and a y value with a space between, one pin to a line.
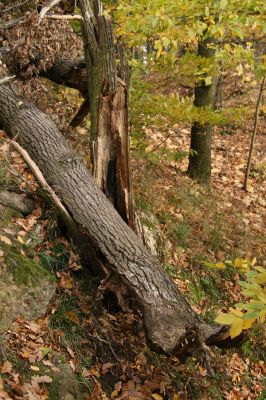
pixel 170 322
pixel 199 167
pixel 109 111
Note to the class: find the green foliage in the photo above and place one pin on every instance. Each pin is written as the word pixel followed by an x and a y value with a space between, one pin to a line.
pixel 244 315
pixel 56 260
pixel 25 271
pixel 163 37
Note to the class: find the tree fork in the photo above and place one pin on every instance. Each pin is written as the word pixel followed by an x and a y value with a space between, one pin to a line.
pixel 171 324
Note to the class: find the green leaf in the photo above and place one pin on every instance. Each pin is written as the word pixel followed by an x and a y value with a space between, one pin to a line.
pixel 223 3
pixel 208 80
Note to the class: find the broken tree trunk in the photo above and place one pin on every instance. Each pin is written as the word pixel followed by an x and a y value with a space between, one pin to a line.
pixel 109 111
pixel 170 322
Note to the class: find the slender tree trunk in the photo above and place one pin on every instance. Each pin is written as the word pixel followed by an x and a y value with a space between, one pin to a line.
pixel 170 322
pixel 199 167
pixel 109 111
pixel 253 137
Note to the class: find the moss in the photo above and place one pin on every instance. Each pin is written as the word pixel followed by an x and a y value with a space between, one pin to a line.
pixel 26 271
pixel 6 215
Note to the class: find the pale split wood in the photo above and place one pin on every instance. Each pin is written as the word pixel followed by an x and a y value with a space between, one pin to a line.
pixel 47 8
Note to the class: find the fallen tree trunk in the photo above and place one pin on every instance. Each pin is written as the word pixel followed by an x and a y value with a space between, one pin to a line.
pixel 170 322
pixel 71 73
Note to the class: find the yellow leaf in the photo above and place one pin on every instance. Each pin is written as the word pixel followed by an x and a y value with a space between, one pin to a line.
pixel 236 328
pixel 248 323
pixel 156 396
pixel 253 261
pixel 114 394
pixel 234 311
pixel 261 278
pixel 72 316
pixel 262 316
pixel 20 239
pixel 262 297
pixel 220 265
pixel 34 368
pixel 238 263
pixel 227 319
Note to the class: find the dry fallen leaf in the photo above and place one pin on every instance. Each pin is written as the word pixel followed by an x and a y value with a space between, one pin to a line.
pixel 34 368
pixel 42 379
pixel 6 367
pixel 5 239
pixel 106 367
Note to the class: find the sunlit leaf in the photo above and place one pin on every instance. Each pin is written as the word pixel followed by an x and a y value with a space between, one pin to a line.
pixel 236 328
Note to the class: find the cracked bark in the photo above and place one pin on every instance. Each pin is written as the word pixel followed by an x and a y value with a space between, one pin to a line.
pixel 170 322
pixel 109 111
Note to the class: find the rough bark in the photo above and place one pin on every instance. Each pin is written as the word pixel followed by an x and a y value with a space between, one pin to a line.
pixel 199 167
pixel 70 73
pixel 17 201
pixel 170 322
pixel 109 111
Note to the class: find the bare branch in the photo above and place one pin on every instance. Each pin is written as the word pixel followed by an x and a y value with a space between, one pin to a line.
pixel 45 9
pixel 64 17
pixel 6 79
pixel 14 6
pixel 13 22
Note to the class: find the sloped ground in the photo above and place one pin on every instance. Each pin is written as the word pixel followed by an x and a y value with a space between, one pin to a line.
pixel 86 347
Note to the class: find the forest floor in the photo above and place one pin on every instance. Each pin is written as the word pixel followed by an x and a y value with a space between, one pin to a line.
pixel 104 347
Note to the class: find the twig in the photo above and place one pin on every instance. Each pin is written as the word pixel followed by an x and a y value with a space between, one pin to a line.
pixel 13 22
pixel 14 6
pixel 45 9
pixel 107 341
pixel 253 134
pixel 64 17
pixel 6 79
pixel 164 140
pixel 42 182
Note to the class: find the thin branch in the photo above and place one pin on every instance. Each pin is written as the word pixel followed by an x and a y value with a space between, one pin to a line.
pixel 13 22
pixel 165 139
pixel 64 17
pixel 14 6
pixel 42 182
pixel 47 8
pixel 253 134
pixel 6 79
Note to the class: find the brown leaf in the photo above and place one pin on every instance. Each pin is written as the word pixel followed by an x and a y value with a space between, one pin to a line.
pixel 5 240
pixel 6 368
pixel 106 367
pixel 42 379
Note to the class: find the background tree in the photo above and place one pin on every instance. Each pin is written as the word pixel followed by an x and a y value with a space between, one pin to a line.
pixel 199 167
